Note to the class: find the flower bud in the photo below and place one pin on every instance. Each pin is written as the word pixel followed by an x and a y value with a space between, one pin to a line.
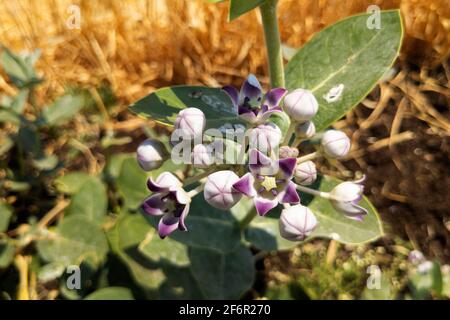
pixel 151 154
pixel 305 130
pixel 191 123
pixel 265 137
pixel 305 173
pixel 288 152
pixel 335 144
pixel 219 192
pixel 301 105
pixel 297 222
pixel 345 197
pixel 202 157
pixel 416 257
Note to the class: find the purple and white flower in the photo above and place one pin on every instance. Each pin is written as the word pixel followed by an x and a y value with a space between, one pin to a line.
pixel 268 182
pixel 345 198
pixel 219 191
pixel 265 137
pixel 170 201
pixel 296 223
pixel 251 104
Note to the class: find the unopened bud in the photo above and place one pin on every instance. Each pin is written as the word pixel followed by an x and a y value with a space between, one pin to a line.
pixel 335 144
pixel 151 154
pixel 301 105
pixel 219 192
pixel 191 123
pixel 305 173
pixel 305 130
pixel 296 223
pixel 202 156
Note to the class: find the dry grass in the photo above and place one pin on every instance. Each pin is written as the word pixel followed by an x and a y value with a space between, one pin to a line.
pixel 138 45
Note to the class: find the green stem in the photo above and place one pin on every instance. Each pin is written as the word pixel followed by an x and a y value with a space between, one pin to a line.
pixel 248 218
pixel 273 44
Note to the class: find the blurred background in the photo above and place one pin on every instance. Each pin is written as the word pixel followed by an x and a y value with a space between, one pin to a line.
pixel 124 50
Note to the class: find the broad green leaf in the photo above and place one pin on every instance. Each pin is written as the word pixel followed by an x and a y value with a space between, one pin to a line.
pixel 7 251
pixel 239 7
pixel 111 293
pixel 164 104
pixel 76 239
pixel 124 239
pixel 282 121
pixel 5 216
pixel 51 271
pixel 264 233
pixel 346 55
pixel 114 164
pixel 63 109
pixel 90 201
pixel 19 69
pixel 223 275
pixel 71 182
pixel 167 250
pixel 208 227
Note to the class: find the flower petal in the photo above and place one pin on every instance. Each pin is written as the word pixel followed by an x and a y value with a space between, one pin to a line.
pixel 164 181
pixel 167 225
pixel 153 205
pixel 274 96
pixel 184 213
pixel 258 160
pixel 245 185
pixel 289 195
pixel 264 205
pixel 182 196
pixel 287 166
pixel 251 89
pixel 233 93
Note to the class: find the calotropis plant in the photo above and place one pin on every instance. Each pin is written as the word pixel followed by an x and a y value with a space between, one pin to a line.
pixel 272 175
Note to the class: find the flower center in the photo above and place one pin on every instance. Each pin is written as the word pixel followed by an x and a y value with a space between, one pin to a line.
pixel 269 183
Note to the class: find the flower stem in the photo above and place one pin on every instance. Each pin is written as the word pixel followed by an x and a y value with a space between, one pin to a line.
pixel 247 219
pixel 273 44
pixel 289 134
pixel 196 191
pixel 198 177
pixel 322 194
pixel 308 157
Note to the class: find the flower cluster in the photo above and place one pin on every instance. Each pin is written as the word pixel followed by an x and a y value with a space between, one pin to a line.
pixel 274 172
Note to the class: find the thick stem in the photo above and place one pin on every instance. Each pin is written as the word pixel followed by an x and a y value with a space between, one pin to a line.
pixel 248 218
pixel 273 44
pixel 191 180
pixel 309 157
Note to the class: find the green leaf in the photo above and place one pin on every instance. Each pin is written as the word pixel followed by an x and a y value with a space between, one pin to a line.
pixel 63 109
pixel 5 216
pixel 28 139
pixel 76 239
pixel 19 69
pixel 167 250
pixel 264 233
pixel 239 7
pixel 18 103
pixel 282 121
pixel 346 54
pixel 124 239
pixel 8 116
pixel 51 271
pixel 46 163
pixel 164 104
pixel 208 227
pixel 111 293
pixel 71 183
pixel 90 201
pixel 223 275
pixel 7 251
